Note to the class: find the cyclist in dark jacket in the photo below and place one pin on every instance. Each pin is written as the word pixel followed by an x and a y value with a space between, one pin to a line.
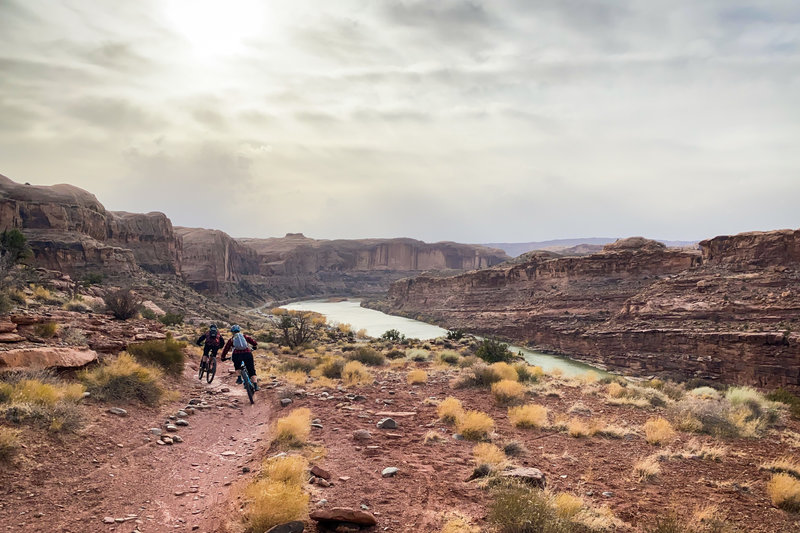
pixel 242 353
pixel 211 341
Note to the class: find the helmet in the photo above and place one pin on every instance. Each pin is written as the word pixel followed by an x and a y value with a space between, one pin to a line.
pixel 235 329
pixel 213 327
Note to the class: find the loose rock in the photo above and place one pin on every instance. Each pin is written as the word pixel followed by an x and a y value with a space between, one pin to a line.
pixel 289 527
pixel 344 514
pixel 387 423
pixel 531 476
pixel 362 434
pixel 389 471
pixel 118 411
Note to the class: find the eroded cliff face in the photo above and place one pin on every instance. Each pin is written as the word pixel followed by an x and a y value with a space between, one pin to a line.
pixel 69 229
pixel 639 307
pixel 213 260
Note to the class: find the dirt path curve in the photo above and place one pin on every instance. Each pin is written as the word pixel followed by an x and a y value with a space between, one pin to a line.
pixel 117 470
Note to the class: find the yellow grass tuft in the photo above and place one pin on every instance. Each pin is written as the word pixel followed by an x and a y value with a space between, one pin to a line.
pixel 355 373
pixel 296 377
pixel 647 469
pixel 567 505
pixel 272 502
pixel 486 453
pixel 508 391
pixel 450 410
pixel 505 371
pixel 294 428
pixel 615 390
pixel 417 377
pixel 459 524
pixel 578 428
pixel 9 444
pixel 658 431
pixel 528 416
pixel 433 436
pixel 784 491
pixel 785 465
pixel 475 425
pixel 35 392
pixel 124 380
pixel 286 469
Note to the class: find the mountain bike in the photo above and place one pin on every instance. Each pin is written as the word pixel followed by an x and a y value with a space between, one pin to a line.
pixel 208 366
pixel 248 385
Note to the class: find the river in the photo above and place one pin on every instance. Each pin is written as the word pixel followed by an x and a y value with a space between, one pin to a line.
pixel 377 323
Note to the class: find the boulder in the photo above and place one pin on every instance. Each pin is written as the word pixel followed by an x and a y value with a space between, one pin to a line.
pixel 46 357
pixel 7 327
pixel 10 337
pixel 530 476
pixel 320 472
pixel 290 527
pixel 344 514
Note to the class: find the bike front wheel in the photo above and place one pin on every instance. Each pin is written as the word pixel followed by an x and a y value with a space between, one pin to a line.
pixel 212 370
pixel 202 369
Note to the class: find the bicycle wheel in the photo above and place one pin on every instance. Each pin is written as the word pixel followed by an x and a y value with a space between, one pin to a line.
pixel 202 369
pixel 212 369
pixel 248 385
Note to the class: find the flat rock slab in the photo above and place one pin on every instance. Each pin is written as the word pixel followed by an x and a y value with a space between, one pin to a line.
pixel 320 472
pixel 387 423
pixel 396 414
pixel 45 357
pixel 531 476
pixel 11 337
pixel 289 527
pixel 344 514
pixel 7 327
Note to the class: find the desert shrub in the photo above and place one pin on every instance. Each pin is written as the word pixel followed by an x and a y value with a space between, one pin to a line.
pixel 786 397
pixel 433 436
pixel 296 377
pixel 505 371
pixel 77 306
pixel 298 365
pixel 485 453
pixel 647 469
pixel 615 390
pixel 92 278
pixel 514 448
pixel 528 416
pixel 167 354
pixel 468 361
pixel 368 356
pixel 493 351
pixel 124 380
pixel 567 505
pixel 507 391
pixel 5 303
pixel 395 354
pixel 148 313
pixel 355 373
pixel 9 444
pixel 417 377
pixel 459 524
pixel 784 465
pixel 418 355
pixel 475 425
pixel 747 417
pixel 393 335
pixel 450 410
pixel 330 368
pixel 577 427
pixel 516 508
pixel 286 469
pixel 45 329
pixel 41 294
pixel 455 334
pixel 528 373
pixel 784 491
pixel 171 319
pixel 273 502
pixel 658 431
pixel 16 296
pixel 706 393
pixel 449 357
pixel 294 428
pixel 635 396
pixel 122 303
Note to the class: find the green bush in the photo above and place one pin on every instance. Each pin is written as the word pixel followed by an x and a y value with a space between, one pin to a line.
pixel 122 303
pixel 449 357
pixel 76 306
pixel 367 355
pixel 149 314
pixel 45 329
pixel 5 303
pixel 493 351
pixel 455 334
pixel 92 278
pixel 396 354
pixel 298 365
pixel 516 508
pixel 171 319
pixel 785 397
pixel 393 335
pixel 167 354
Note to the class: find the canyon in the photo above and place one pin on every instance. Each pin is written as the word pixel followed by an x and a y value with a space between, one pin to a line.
pixel 728 311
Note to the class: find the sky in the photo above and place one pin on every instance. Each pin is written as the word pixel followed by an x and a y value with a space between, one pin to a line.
pixel 470 121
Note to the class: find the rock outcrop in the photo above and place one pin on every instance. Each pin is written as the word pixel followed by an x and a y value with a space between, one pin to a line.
pixel 45 358
pixel 729 311
pixel 212 259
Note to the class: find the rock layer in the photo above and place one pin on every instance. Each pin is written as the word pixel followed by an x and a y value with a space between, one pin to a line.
pixel 729 311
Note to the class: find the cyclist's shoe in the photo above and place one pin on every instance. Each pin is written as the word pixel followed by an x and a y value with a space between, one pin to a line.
pixel 255 386
pixel 239 380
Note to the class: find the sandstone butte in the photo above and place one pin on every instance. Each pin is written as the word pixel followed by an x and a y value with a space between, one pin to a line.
pixel 728 311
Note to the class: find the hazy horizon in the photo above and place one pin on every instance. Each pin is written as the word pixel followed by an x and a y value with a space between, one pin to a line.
pixel 508 121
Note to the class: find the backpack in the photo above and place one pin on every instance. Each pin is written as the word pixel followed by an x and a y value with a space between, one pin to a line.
pixel 239 342
pixel 213 340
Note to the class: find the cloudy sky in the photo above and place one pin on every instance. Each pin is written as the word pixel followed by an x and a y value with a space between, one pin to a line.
pixel 473 121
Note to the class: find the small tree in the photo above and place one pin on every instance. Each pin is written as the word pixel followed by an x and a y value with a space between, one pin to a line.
pixel 122 303
pixel 393 335
pixel 13 249
pixel 493 351
pixel 297 327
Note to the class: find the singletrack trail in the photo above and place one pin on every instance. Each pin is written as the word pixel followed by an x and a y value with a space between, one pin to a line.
pixel 111 469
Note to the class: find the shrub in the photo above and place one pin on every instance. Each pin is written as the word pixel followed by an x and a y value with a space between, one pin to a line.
pixel 784 396
pixel 167 354
pixel 272 502
pixel 528 416
pixel 417 377
pixel 122 303
pixel 784 465
pixel 296 377
pixel 123 380
pixel 418 355
pixel 294 428
pixel 171 319
pixel 35 392
pixel 45 329
pixel 468 361
pixel 505 371
pixel 658 431
pixel 647 469
pixel 459 524
pixel 455 334
pixel 9 444
pixel 720 417
pixel 330 368
pixel 528 373
pixel 485 453
pixel 393 335
pixel 516 508
pixel 290 469
pixel 396 354
pixel 77 306
pixel 567 505
pixel 508 391
pixel 706 393
pixel 92 278
pixel 42 294
pixel 475 425
pixel 433 436
pixel 784 491
pixel 578 428
pixel 367 355
pixel 354 373
pixel 615 390
pixel 492 351
pixel 450 410
pixel 449 357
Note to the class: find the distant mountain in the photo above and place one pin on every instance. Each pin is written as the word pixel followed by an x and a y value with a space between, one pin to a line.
pixel 569 246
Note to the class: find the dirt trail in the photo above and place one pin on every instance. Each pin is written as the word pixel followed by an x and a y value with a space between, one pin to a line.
pixel 117 472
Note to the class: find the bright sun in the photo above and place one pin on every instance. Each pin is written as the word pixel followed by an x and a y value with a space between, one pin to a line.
pixel 216 27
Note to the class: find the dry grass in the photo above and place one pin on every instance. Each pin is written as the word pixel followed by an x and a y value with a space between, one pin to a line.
pixel 784 491
pixel 271 502
pixel 486 453
pixel 286 469
pixel 475 425
pixel 528 416
pixel 417 377
pixel 45 329
pixel 42 294
pixel 329 367
pixel 450 410
pixel 508 391
pixel 124 380
pixel 355 373
pixel 577 427
pixel 784 465
pixel 615 390
pixel 432 437
pixel 647 469
pixel 567 505
pixel 659 431
pixel 505 371
pixel 459 524
pixel 9 444
pixel 296 377
pixel 293 429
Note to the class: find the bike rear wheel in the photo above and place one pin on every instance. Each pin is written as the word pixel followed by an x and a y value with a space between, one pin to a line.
pixel 248 385
pixel 211 370
pixel 202 369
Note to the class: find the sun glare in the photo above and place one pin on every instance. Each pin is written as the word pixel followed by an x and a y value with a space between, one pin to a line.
pixel 216 27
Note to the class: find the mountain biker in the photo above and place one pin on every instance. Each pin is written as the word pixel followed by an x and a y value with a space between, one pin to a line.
pixel 241 353
pixel 211 341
